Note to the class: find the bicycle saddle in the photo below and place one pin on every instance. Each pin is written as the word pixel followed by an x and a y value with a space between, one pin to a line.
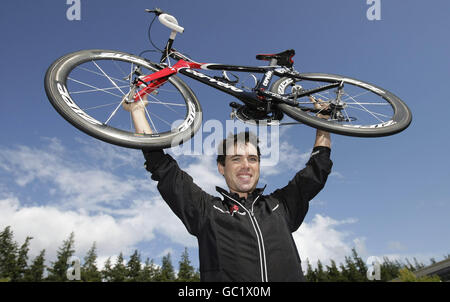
pixel 283 58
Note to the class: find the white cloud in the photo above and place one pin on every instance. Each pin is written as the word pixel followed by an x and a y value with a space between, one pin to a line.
pixel 321 240
pixel 290 159
pixel 117 207
pixel 110 157
pixel 73 180
pixel 49 226
pixel 204 173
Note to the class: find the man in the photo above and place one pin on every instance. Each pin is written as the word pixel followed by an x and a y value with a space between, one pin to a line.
pixel 245 235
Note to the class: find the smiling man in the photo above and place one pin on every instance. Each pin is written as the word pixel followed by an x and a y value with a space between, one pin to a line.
pixel 241 167
pixel 246 235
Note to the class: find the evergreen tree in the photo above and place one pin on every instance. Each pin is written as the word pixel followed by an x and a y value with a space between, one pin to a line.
pixel 107 272
pixel 149 272
pixel 89 270
pixel 360 266
pixel 8 252
pixel 418 265
pixel 389 269
pixel 321 275
pixel 167 272
pixel 119 271
pixel 333 273
pixel 21 261
pixel 351 273
pixel 58 270
pixel 134 267
pixel 197 277
pixel 344 273
pixel 310 274
pixel 186 272
pixel 409 265
pixel 35 272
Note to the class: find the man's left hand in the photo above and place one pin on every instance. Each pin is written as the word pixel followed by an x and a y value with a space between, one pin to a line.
pixel 321 106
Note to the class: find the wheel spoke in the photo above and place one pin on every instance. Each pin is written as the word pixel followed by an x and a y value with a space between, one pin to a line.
pixel 162 103
pixel 100 74
pixel 114 83
pixel 114 112
pixel 355 96
pixel 99 106
pixel 348 117
pixel 95 88
pixel 166 103
pixel 365 109
pixel 373 104
pixel 118 67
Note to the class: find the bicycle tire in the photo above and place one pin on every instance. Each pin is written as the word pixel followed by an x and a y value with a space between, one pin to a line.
pixel 64 102
pixel 401 114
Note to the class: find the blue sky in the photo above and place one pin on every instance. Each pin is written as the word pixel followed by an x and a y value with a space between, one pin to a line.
pixel 386 196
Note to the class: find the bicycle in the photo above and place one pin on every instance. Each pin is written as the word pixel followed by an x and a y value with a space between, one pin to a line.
pixel 74 82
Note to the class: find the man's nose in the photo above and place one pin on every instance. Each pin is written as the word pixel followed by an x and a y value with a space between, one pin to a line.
pixel 245 163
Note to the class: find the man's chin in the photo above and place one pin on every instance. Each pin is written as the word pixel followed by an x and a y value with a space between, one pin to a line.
pixel 247 188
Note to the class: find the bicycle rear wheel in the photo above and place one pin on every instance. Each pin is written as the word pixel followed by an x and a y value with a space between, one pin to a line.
pixel 88 87
pixel 364 110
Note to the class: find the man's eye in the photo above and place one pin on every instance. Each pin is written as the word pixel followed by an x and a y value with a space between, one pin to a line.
pixel 253 159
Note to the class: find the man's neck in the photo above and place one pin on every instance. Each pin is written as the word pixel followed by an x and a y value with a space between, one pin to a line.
pixel 240 194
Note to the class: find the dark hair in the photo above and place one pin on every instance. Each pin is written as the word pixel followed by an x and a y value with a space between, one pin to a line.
pixel 242 137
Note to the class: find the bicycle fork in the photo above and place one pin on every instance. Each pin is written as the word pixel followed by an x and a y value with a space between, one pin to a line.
pixel 151 82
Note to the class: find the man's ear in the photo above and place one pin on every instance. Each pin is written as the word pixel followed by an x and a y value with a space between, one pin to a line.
pixel 221 168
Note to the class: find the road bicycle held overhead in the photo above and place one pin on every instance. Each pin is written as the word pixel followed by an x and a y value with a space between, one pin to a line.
pixel 89 87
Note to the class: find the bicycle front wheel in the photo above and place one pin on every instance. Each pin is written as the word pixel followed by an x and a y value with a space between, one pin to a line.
pixel 88 89
pixel 358 108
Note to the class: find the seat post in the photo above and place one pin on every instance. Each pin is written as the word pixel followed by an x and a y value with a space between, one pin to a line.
pixel 273 62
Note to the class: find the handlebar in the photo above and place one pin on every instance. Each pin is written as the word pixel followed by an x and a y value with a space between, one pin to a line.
pixel 167 20
pixel 171 22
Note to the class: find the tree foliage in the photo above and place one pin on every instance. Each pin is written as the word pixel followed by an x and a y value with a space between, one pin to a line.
pixel 15 265
pixel 354 269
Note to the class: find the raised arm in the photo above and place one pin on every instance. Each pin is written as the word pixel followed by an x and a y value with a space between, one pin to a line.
pixel 308 182
pixel 177 188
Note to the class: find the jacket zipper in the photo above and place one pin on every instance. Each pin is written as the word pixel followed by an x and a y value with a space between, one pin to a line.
pixel 259 237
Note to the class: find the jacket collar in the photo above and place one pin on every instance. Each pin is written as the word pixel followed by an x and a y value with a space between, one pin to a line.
pixel 234 196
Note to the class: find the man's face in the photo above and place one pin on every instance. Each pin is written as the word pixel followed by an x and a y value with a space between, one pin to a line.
pixel 241 170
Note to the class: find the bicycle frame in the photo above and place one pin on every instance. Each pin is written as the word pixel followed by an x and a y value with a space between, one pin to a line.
pixel 260 97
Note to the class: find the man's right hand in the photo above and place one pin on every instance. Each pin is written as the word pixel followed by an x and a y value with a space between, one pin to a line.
pixel 138 114
pixel 136 106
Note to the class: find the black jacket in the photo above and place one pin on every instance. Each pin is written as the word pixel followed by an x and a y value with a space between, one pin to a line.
pixel 242 239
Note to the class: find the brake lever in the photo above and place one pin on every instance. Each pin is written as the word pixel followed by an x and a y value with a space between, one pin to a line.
pixel 156 11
